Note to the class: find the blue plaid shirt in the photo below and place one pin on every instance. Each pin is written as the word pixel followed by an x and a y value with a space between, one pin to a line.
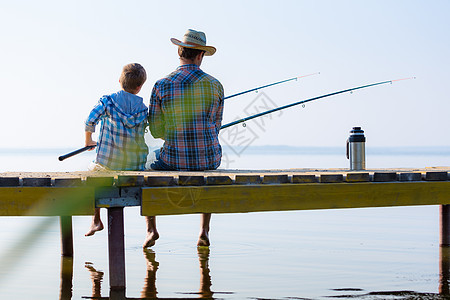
pixel 121 144
pixel 185 110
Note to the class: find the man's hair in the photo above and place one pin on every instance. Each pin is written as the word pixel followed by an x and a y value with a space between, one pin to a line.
pixel 132 77
pixel 188 53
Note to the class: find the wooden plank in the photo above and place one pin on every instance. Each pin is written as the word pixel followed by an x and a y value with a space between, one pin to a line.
pixel 68 182
pixel 191 180
pixel 9 181
pixel 99 181
pixel 46 201
pixel 436 176
pixel 410 176
pixel 160 181
pixel 218 180
pixel 37 181
pixel 306 178
pixel 384 176
pixel 357 177
pixel 331 178
pixel 274 179
pixel 130 180
pixel 252 198
pixel 248 179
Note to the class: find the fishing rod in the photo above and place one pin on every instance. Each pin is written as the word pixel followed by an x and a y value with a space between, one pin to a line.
pixel 308 100
pixel 63 157
pixel 271 84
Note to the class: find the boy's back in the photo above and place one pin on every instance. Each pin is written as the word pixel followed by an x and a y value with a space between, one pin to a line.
pixel 121 144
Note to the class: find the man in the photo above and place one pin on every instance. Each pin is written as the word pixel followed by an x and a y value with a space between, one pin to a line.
pixel 185 110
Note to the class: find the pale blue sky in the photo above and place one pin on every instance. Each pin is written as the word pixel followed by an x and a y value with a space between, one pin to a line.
pixel 59 57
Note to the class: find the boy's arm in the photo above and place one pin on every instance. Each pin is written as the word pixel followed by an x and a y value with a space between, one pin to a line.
pixel 155 115
pixel 92 120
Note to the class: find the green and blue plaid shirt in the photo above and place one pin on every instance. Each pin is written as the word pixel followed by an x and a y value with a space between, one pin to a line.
pixel 121 144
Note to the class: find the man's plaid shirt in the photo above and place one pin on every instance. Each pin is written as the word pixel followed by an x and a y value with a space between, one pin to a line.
pixel 185 110
pixel 121 144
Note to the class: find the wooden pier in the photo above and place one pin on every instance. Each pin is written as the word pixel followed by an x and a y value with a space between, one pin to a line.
pixel 220 191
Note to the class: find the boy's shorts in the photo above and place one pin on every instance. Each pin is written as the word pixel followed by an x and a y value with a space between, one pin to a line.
pixel 94 166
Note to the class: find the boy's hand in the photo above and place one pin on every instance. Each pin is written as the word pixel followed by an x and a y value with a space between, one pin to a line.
pixel 89 141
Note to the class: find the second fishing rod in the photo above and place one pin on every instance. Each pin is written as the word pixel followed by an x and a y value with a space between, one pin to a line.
pixel 308 100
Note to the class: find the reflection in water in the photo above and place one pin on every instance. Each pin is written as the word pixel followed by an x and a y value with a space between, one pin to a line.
pixel 97 278
pixel 444 270
pixel 205 278
pixel 444 285
pixel 149 289
pixel 65 291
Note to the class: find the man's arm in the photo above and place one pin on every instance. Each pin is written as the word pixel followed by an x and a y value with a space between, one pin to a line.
pixel 219 113
pixel 155 115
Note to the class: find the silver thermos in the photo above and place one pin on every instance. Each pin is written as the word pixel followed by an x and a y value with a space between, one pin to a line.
pixel 356 149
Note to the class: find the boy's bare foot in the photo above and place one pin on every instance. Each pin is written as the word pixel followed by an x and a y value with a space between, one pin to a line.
pixel 203 240
pixel 94 228
pixel 150 240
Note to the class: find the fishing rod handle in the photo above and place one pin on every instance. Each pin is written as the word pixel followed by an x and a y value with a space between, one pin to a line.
pixel 63 157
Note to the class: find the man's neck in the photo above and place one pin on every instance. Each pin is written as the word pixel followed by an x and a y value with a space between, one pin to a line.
pixel 184 61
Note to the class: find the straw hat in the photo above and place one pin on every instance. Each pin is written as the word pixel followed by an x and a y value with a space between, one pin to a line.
pixel 195 40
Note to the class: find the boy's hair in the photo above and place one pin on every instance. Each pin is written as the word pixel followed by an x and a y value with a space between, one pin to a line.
pixel 132 77
pixel 188 53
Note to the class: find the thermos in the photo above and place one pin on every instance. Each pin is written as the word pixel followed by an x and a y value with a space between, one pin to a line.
pixel 356 149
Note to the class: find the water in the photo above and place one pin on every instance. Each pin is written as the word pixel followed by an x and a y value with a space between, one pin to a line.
pixel 373 253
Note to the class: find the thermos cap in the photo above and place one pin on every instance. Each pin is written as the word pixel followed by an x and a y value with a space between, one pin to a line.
pixel 357 135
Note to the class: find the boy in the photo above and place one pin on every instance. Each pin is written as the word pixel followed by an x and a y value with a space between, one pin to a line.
pixel 121 144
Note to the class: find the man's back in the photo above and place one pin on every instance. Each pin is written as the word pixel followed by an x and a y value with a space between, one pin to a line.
pixel 186 110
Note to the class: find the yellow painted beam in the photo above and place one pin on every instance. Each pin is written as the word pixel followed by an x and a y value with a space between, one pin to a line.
pixel 47 201
pixel 280 197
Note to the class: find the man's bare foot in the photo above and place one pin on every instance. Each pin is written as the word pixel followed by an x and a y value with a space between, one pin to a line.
pixel 203 240
pixel 94 228
pixel 150 240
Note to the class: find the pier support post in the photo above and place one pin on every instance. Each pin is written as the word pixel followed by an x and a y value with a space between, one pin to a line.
pixel 444 224
pixel 116 246
pixel 65 291
pixel 444 270
pixel 66 236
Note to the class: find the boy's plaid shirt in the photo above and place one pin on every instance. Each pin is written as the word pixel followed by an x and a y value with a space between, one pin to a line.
pixel 121 144
pixel 185 110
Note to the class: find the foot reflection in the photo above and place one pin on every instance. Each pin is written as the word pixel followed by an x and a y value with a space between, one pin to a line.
pixel 205 277
pixel 97 278
pixel 149 289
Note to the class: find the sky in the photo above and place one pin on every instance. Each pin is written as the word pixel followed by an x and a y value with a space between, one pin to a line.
pixel 58 58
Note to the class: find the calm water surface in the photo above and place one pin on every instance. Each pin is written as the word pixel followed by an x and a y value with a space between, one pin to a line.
pixel 376 253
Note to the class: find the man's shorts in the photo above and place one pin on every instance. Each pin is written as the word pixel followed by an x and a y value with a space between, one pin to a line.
pixel 159 164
